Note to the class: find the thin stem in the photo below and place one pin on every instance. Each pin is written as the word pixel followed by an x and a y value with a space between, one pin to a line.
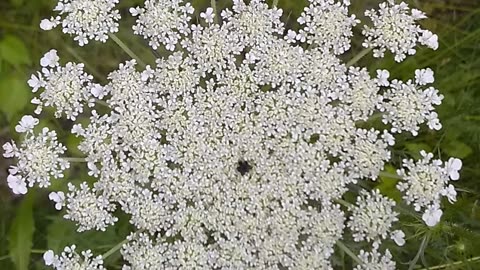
pixel 72 159
pixel 214 7
pixel 452 264
pixel 101 102
pixel 390 175
pixel 349 252
pixel 118 246
pixel 126 49
pixel 275 3
pixel 4 257
pixel 82 60
pixel 114 249
pixel 359 56
pixel 38 251
pixel 343 202
pixel 420 252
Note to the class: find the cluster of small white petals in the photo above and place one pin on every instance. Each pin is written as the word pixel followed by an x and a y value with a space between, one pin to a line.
pixel 88 209
pixel 363 96
pixel 327 24
pixel 372 219
pixel 38 157
pixel 163 22
pixel 407 105
pixel 395 29
pixel 255 23
pixel 69 259
pixel 368 153
pixel 426 181
pixel 85 19
pixel 66 88
pixel 375 260
pixel 192 247
pixel 233 151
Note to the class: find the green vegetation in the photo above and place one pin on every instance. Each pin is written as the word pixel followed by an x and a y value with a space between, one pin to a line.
pixel 30 225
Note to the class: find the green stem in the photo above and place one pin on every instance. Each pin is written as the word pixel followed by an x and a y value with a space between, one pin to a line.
pixel 37 251
pixel 4 257
pixel 82 60
pixel 344 203
pixel 72 159
pixel 390 175
pixel 101 102
pixel 125 48
pixel 420 251
pixel 349 252
pixel 114 249
pixel 275 3
pixel 118 246
pixel 451 264
pixel 214 7
pixel 359 56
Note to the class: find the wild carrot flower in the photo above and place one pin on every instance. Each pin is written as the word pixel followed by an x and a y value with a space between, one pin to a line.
pixel 235 150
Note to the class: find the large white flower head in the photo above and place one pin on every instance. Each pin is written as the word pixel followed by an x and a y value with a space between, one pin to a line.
pixel 235 149
pixel 395 29
pixel 85 19
pixel 38 157
pixel 66 88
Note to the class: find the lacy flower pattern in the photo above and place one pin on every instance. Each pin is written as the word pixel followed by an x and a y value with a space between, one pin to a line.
pixel 237 149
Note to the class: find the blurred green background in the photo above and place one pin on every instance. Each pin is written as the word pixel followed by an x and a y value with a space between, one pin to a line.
pixel 29 225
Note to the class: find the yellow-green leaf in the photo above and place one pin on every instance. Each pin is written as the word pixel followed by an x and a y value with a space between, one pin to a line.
pixel 13 51
pixel 14 95
pixel 21 233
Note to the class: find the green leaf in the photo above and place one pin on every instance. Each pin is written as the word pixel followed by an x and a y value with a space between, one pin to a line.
pixel 457 149
pixel 13 51
pixel 387 185
pixel 14 95
pixel 16 3
pixel 415 148
pixel 21 233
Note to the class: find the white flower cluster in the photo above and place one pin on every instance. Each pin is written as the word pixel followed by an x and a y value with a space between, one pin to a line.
pixel 38 157
pixel 69 259
pixel 86 208
pixel 374 260
pixel 395 29
pixel 66 88
pixel 327 24
pixel 85 19
pixel 234 151
pixel 372 217
pixel 163 22
pixel 406 105
pixel 426 181
pixel 306 241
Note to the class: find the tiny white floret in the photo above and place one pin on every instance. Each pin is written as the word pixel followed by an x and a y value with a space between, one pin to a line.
pixel 50 59
pixel 208 15
pixel 49 257
pixel 27 123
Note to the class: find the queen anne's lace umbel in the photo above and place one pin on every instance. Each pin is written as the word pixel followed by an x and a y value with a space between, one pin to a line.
pixel 85 19
pixel 236 149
